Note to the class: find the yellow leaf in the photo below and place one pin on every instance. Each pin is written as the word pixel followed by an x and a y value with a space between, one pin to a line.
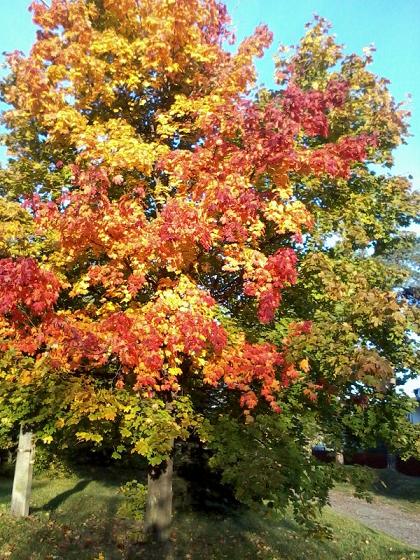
pixel 175 371
pixel 304 365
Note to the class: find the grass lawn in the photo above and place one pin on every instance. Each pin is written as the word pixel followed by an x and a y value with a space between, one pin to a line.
pixel 395 489
pixel 77 518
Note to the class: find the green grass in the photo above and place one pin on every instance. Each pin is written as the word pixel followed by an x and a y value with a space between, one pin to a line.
pixel 395 489
pixel 77 518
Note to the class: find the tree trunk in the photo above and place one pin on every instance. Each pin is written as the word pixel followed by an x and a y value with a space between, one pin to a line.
pixel 22 482
pixel 158 516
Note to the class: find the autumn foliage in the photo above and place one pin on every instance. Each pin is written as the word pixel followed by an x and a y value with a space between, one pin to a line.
pixel 156 182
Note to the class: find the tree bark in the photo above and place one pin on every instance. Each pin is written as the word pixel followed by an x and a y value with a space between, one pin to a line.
pixel 22 482
pixel 158 516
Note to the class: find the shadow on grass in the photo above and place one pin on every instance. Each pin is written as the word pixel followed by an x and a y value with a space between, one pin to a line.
pixel 241 535
pixel 58 500
pixel 80 522
pixel 236 536
pixel 50 534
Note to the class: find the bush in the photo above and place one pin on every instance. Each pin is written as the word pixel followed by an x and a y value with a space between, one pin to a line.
pixel 134 504
pixel 47 460
pixel 7 462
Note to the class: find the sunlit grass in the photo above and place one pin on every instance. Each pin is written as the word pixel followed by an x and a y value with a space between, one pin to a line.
pixel 77 518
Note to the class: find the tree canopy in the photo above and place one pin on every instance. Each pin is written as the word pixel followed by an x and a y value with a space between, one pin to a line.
pixel 172 234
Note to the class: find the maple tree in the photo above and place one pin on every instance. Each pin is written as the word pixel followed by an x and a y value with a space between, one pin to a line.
pixel 363 326
pixel 153 205
pixel 352 290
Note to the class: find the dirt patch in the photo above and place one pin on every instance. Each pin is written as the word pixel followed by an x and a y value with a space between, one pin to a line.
pixel 384 517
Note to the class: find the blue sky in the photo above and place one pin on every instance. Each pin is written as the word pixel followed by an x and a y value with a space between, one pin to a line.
pixel 392 25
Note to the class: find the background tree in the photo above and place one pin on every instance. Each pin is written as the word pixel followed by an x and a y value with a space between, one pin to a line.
pixel 352 280
pixel 162 208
